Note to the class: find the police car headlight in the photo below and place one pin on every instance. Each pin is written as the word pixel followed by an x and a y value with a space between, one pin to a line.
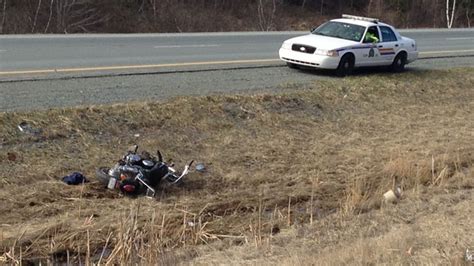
pixel 331 53
pixel 286 45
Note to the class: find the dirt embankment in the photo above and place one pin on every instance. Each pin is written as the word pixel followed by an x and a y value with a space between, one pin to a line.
pixel 300 172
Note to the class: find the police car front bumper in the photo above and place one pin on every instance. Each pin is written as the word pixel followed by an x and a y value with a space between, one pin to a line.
pixel 310 60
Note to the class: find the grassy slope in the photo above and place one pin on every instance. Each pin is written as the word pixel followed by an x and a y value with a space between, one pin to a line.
pixel 275 162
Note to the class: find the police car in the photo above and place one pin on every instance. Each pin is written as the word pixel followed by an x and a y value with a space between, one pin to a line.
pixel 349 42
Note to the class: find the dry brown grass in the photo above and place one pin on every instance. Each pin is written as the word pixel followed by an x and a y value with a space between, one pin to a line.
pixel 277 163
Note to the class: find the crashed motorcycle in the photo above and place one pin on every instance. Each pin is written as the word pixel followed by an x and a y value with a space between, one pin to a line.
pixel 137 174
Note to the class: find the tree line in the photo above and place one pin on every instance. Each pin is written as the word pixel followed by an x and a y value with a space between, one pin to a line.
pixel 126 16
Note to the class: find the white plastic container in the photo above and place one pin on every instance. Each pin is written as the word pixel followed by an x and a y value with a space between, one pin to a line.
pixel 390 197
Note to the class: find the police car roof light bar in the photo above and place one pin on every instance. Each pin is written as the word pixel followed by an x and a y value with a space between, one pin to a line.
pixel 374 20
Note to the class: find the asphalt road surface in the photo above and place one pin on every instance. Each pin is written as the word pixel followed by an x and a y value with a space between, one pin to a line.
pixel 46 71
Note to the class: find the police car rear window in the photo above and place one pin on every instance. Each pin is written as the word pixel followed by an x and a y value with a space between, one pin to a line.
pixel 387 34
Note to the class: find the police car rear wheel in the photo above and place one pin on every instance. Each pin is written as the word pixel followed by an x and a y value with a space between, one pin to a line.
pixel 399 62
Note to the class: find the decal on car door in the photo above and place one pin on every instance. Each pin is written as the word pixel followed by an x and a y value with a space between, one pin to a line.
pixel 371 52
pixel 386 51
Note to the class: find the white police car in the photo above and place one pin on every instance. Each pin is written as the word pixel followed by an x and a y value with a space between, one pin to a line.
pixel 349 42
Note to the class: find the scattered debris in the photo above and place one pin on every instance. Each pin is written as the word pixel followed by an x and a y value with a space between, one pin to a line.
pixel 11 156
pixel 398 192
pixel 236 111
pixel 26 128
pixel 469 255
pixel 200 167
pixel 392 196
pixel 275 230
pixel 75 178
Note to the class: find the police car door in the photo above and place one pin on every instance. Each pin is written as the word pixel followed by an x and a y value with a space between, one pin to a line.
pixel 389 45
pixel 371 55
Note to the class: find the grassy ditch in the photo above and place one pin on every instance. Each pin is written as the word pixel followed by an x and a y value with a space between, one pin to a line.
pixel 274 162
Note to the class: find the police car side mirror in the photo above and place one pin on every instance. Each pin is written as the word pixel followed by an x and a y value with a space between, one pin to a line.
pixel 313 29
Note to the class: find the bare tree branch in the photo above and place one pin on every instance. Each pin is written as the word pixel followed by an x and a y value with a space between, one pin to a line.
pixel 36 17
pixel 50 16
pixel 449 20
pixel 4 16
pixel 31 16
pixel 266 19
pixel 468 18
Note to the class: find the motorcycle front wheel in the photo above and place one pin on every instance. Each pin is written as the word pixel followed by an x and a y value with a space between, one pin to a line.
pixel 174 179
pixel 103 176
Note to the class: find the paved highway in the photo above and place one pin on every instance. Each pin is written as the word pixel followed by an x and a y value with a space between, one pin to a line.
pixel 40 54
pixel 43 71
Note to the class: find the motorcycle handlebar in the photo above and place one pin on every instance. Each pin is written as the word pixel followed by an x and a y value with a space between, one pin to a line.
pixel 160 157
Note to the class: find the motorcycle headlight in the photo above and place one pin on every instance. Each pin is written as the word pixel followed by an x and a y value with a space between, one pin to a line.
pixel 331 53
pixel 286 45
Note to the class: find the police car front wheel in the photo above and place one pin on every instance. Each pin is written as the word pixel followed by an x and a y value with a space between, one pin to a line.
pixel 346 65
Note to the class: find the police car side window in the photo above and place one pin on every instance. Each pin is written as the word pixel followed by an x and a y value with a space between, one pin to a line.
pixel 387 34
pixel 372 35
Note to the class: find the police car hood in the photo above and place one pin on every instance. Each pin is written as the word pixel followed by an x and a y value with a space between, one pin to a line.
pixel 321 42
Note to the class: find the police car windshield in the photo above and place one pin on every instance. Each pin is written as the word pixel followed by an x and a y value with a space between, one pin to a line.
pixel 341 30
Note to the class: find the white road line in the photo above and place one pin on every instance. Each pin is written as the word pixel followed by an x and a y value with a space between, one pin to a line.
pixel 187 46
pixel 460 38
pixel 446 52
pixel 1 51
pixel 129 67
pixel 101 68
